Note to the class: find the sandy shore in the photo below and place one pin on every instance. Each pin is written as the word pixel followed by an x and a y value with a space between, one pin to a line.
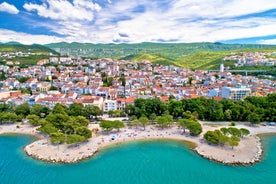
pixel 249 150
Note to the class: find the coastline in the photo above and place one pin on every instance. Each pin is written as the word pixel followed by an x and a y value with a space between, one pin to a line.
pixel 248 152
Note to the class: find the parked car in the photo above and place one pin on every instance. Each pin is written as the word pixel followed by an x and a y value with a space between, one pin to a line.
pixel 271 123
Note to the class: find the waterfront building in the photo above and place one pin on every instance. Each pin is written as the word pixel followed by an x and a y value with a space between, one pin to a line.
pixel 235 93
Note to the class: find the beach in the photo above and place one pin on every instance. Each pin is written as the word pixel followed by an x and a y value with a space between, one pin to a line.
pixel 248 151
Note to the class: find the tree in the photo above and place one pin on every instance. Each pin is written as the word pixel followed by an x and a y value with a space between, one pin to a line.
pixel 58 120
pixel 2 76
pixel 213 136
pixel 118 113
pixel 26 91
pixel 53 88
pixel 195 115
pixel 136 123
pixel 91 110
pixel 253 118
pixel 238 112
pixel 83 131
pixel 228 115
pixel 234 132
pixel 260 112
pixel 33 119
pixel 175 108
pixel 152 117
pixel 184 123
pixel 216 137
pixel 123 80
pixel 144 121
pixel 80 121
pixel 22 109
pixel 109 81
pixel 215 110
pixel 110 113
pixel 48 128
pixel 223 139
pixel 169 119
pixel 118 124
pixel 233 141
pixel 76 109
pixel 11 106
pixel 4 107
pixel 162 121
pixel 189 81
pixel 171 97
pixel 39 110
pixel 106 125
pixel 57 137
pixel 224 130
pixel 7 117
pixel 23 79
pixel 42 122
pixel 195 128
pixel 244 131
pixel 130 110
pixel 69 127
pixel 187 114
pixel 74 139
pixel 59 109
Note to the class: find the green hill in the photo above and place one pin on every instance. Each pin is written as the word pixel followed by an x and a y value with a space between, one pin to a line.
pixel 170 50
pixel 150 57
pixel 40 51
pixel 17 47
pixel 202 60
pixel 190 55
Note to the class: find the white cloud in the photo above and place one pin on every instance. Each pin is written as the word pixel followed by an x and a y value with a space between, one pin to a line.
pixel 65 10
pixel 24 38
pixel 178 20
pixel 186 21
pixel 268 42
pixel 6 7
pixel 220 8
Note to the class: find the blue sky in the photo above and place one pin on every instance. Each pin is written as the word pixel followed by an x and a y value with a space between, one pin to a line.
pixel 134 21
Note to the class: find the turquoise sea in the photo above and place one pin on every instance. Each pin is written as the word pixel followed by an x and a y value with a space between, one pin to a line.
pixel 136 162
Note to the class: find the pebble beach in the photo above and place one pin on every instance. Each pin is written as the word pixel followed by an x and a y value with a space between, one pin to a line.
pixel 247 152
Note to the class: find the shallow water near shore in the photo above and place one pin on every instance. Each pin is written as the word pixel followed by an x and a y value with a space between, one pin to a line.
pixel 140 162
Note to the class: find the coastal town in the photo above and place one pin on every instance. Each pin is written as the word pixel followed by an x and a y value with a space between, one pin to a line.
pixel 137 92
pixel 113 84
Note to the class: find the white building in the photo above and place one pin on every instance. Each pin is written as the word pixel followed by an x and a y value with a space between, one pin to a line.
pixel 109 105
pixel 221 67
pixel 214 92
pixel 237 93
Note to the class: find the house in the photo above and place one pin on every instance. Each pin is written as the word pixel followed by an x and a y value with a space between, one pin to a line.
pixel 109 105
pixel 44 86
pixel 102 91
pixel 72 95
pixel 121 103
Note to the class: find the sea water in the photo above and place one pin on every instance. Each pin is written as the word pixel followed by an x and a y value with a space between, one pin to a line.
pixel 136 162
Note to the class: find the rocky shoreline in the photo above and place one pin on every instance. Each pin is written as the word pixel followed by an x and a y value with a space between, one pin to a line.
pixel 248 152
pixel 65 160
pixel 257 157
pixel 58 160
